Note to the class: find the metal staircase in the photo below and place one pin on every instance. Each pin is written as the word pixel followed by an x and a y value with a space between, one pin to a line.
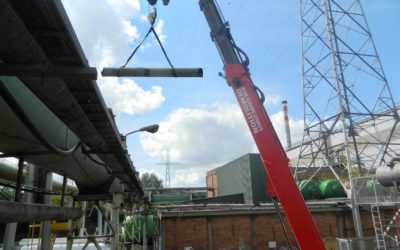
pixel 377 221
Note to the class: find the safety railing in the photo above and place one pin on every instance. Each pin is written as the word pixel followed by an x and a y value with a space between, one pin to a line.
pixel 368 190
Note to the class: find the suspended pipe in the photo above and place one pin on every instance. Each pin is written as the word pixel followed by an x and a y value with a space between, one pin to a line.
pixel 24 212
pixel 9 172
pixel 19 111
pixel 17 138
pixel 152 72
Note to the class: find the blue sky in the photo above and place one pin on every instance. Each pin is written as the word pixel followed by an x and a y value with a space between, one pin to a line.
pixel 199 119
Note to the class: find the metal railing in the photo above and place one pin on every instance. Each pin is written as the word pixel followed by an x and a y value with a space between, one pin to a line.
pixel 368 190
pixel 366 243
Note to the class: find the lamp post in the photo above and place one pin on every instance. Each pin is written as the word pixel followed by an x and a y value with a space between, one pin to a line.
pixel 150 129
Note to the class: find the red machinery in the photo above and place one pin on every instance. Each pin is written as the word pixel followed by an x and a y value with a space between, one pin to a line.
pixel 281 185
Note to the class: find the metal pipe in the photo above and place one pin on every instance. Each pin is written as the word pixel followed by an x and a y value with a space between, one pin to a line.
pixel 152 72
pixel 10 173
pixel 27 121
pixel 24 212
pixel 77 166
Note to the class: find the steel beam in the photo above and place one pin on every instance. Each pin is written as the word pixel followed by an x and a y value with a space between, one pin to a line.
pixel 24 212
pixel 42 70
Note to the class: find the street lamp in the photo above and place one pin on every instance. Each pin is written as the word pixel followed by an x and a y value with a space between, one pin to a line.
pixel 150 129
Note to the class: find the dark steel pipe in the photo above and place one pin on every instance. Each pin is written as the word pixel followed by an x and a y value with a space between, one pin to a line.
pixel 152 72
pixel 24 212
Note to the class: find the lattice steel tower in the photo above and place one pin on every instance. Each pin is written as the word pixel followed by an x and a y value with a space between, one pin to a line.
pixel 350 116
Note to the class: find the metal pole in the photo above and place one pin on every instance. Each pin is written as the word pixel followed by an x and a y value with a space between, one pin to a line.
pixel 64 187
pixel 17 197
pixel 71 225
pixel 83 219
pixel 99 221
pixel 117 203
pixel 105 228
pixel 145 242
pixel 31 182
pixel 45 241
pixel 9 235
pixel 11 228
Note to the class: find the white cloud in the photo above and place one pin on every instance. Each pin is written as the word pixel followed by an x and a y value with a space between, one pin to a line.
pixel 272 100
pixel 128 97
pixel 151 43
pixel 189 177
pixel 296 128
pixel 159 28
pixel 107 35
pixel 104 28
pixel 203 138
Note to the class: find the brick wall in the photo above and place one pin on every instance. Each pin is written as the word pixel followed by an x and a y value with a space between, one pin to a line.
pixel 250 231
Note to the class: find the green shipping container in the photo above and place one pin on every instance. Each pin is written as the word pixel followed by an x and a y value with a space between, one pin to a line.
pixel 331 189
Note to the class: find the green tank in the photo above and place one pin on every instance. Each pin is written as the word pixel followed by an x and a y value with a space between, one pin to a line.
pixel 331 189
pixel 136 223
pixel 372 186
pixel 309 189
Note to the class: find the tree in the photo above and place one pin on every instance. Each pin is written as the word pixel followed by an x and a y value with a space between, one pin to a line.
pixel 150 180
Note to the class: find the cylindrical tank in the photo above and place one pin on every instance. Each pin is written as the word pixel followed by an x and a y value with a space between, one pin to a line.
pixel 331 189
pixel 136 223
pixel 309 189
pixel 388 176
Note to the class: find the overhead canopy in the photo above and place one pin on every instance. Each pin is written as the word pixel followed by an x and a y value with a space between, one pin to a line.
pixel 39 32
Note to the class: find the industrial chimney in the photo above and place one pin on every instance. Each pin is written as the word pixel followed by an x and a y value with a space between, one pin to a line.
pixel 286 120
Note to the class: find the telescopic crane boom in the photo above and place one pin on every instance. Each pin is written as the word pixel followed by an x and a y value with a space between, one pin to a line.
pixel 280 183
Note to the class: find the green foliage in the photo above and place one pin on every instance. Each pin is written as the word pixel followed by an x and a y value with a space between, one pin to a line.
pixel 150 180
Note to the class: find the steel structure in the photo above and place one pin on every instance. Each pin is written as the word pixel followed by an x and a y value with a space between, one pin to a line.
pixel 342 70
pixel 350 117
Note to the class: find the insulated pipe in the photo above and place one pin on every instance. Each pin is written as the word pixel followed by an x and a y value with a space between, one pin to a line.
pixel 286 121
pixel 24 212
pixel 16 138
pixel 153 72
pixel 9 172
